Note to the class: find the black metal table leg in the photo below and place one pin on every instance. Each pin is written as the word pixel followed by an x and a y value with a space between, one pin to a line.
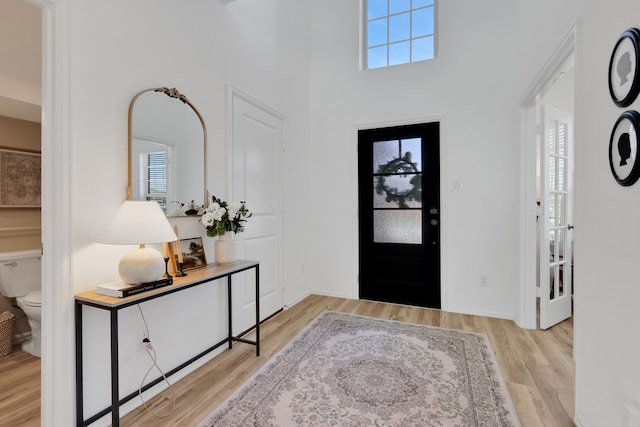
pixel 115 387
pixel 230 313
pixel 257 310
pixel 79 377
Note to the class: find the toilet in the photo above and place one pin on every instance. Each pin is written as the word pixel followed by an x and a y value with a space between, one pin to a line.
pixel 20 279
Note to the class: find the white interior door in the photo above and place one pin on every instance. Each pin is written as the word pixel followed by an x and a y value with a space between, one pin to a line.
pixel 257 157
pixel 556 242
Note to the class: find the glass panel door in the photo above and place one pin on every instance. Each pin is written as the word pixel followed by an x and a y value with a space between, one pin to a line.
pixel 399 214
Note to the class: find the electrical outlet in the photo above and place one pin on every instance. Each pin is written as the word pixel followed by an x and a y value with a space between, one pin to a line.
pixel 484 280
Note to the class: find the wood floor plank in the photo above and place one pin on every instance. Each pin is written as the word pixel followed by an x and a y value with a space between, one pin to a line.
pixel 19 389
pixel 537 366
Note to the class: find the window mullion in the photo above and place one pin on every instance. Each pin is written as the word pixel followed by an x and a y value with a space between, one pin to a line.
pixel 388 30
pixel 411 32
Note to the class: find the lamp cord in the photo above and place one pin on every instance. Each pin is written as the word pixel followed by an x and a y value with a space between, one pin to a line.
pixel 151 351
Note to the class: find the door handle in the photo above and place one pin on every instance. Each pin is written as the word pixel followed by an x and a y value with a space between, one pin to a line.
pixel 570 227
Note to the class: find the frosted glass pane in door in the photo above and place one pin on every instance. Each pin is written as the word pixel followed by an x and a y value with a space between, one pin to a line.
pixel 401 184
pixel 413 148
pixel 386 151
pixel 383 153
pixel 397 226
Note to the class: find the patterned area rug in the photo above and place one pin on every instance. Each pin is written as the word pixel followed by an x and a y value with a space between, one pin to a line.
pixel 347 370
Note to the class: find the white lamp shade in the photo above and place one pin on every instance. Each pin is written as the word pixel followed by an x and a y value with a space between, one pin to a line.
pixel 139 222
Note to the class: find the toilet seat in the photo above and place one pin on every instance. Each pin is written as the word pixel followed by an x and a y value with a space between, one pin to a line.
pixel 33 299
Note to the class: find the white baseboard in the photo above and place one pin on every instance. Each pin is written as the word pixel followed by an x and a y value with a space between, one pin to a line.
pixel 461 310
pixel 293 302
pixel 332 294
pixel 466 310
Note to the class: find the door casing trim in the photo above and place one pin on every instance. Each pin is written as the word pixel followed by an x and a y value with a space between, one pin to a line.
pixel 526 310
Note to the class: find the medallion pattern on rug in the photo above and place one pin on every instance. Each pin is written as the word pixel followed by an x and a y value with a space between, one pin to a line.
pixel 348 370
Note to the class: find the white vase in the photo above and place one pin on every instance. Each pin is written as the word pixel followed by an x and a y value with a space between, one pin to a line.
pixel 225 248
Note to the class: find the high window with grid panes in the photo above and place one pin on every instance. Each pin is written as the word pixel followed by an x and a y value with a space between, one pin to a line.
pixel 398 32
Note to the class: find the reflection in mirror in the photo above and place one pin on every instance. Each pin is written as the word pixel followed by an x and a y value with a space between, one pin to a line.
pixel 167 151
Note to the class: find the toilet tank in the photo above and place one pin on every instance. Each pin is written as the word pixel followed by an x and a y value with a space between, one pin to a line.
pixel 19 272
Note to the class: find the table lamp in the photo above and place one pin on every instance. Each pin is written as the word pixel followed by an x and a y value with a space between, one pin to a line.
pixel 140 223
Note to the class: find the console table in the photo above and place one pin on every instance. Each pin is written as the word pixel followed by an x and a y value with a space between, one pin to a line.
pixel 195 277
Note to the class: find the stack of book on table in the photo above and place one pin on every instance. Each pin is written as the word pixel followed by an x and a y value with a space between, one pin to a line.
pixel 122 290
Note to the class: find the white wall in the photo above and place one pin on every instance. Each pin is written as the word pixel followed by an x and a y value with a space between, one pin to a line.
pixel 607 227
pixel 606 224
pixel 269 51
pixel 119 48
pixel 469 88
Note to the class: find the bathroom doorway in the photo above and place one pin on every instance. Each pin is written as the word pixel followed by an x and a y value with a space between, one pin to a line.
pixel 21 23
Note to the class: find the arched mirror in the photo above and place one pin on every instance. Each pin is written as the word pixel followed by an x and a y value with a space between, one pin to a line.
pixel 167 151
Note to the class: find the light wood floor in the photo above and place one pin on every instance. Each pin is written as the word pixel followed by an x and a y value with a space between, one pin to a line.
pixel 537 366
pixel 19 389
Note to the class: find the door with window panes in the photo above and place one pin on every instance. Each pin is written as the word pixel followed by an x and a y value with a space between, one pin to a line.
pixel 556 241
pixel 399 214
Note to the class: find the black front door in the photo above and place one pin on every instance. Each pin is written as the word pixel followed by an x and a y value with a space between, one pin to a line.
pixel 399 210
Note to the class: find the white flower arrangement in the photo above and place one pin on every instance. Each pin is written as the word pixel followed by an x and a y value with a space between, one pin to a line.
pixel 222 216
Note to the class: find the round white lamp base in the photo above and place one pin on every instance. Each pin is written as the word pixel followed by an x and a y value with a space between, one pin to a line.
pixel 142 265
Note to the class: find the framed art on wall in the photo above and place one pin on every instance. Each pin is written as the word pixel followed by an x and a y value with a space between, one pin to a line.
pixel 20 185
pixel 623 148
pixel 624 73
